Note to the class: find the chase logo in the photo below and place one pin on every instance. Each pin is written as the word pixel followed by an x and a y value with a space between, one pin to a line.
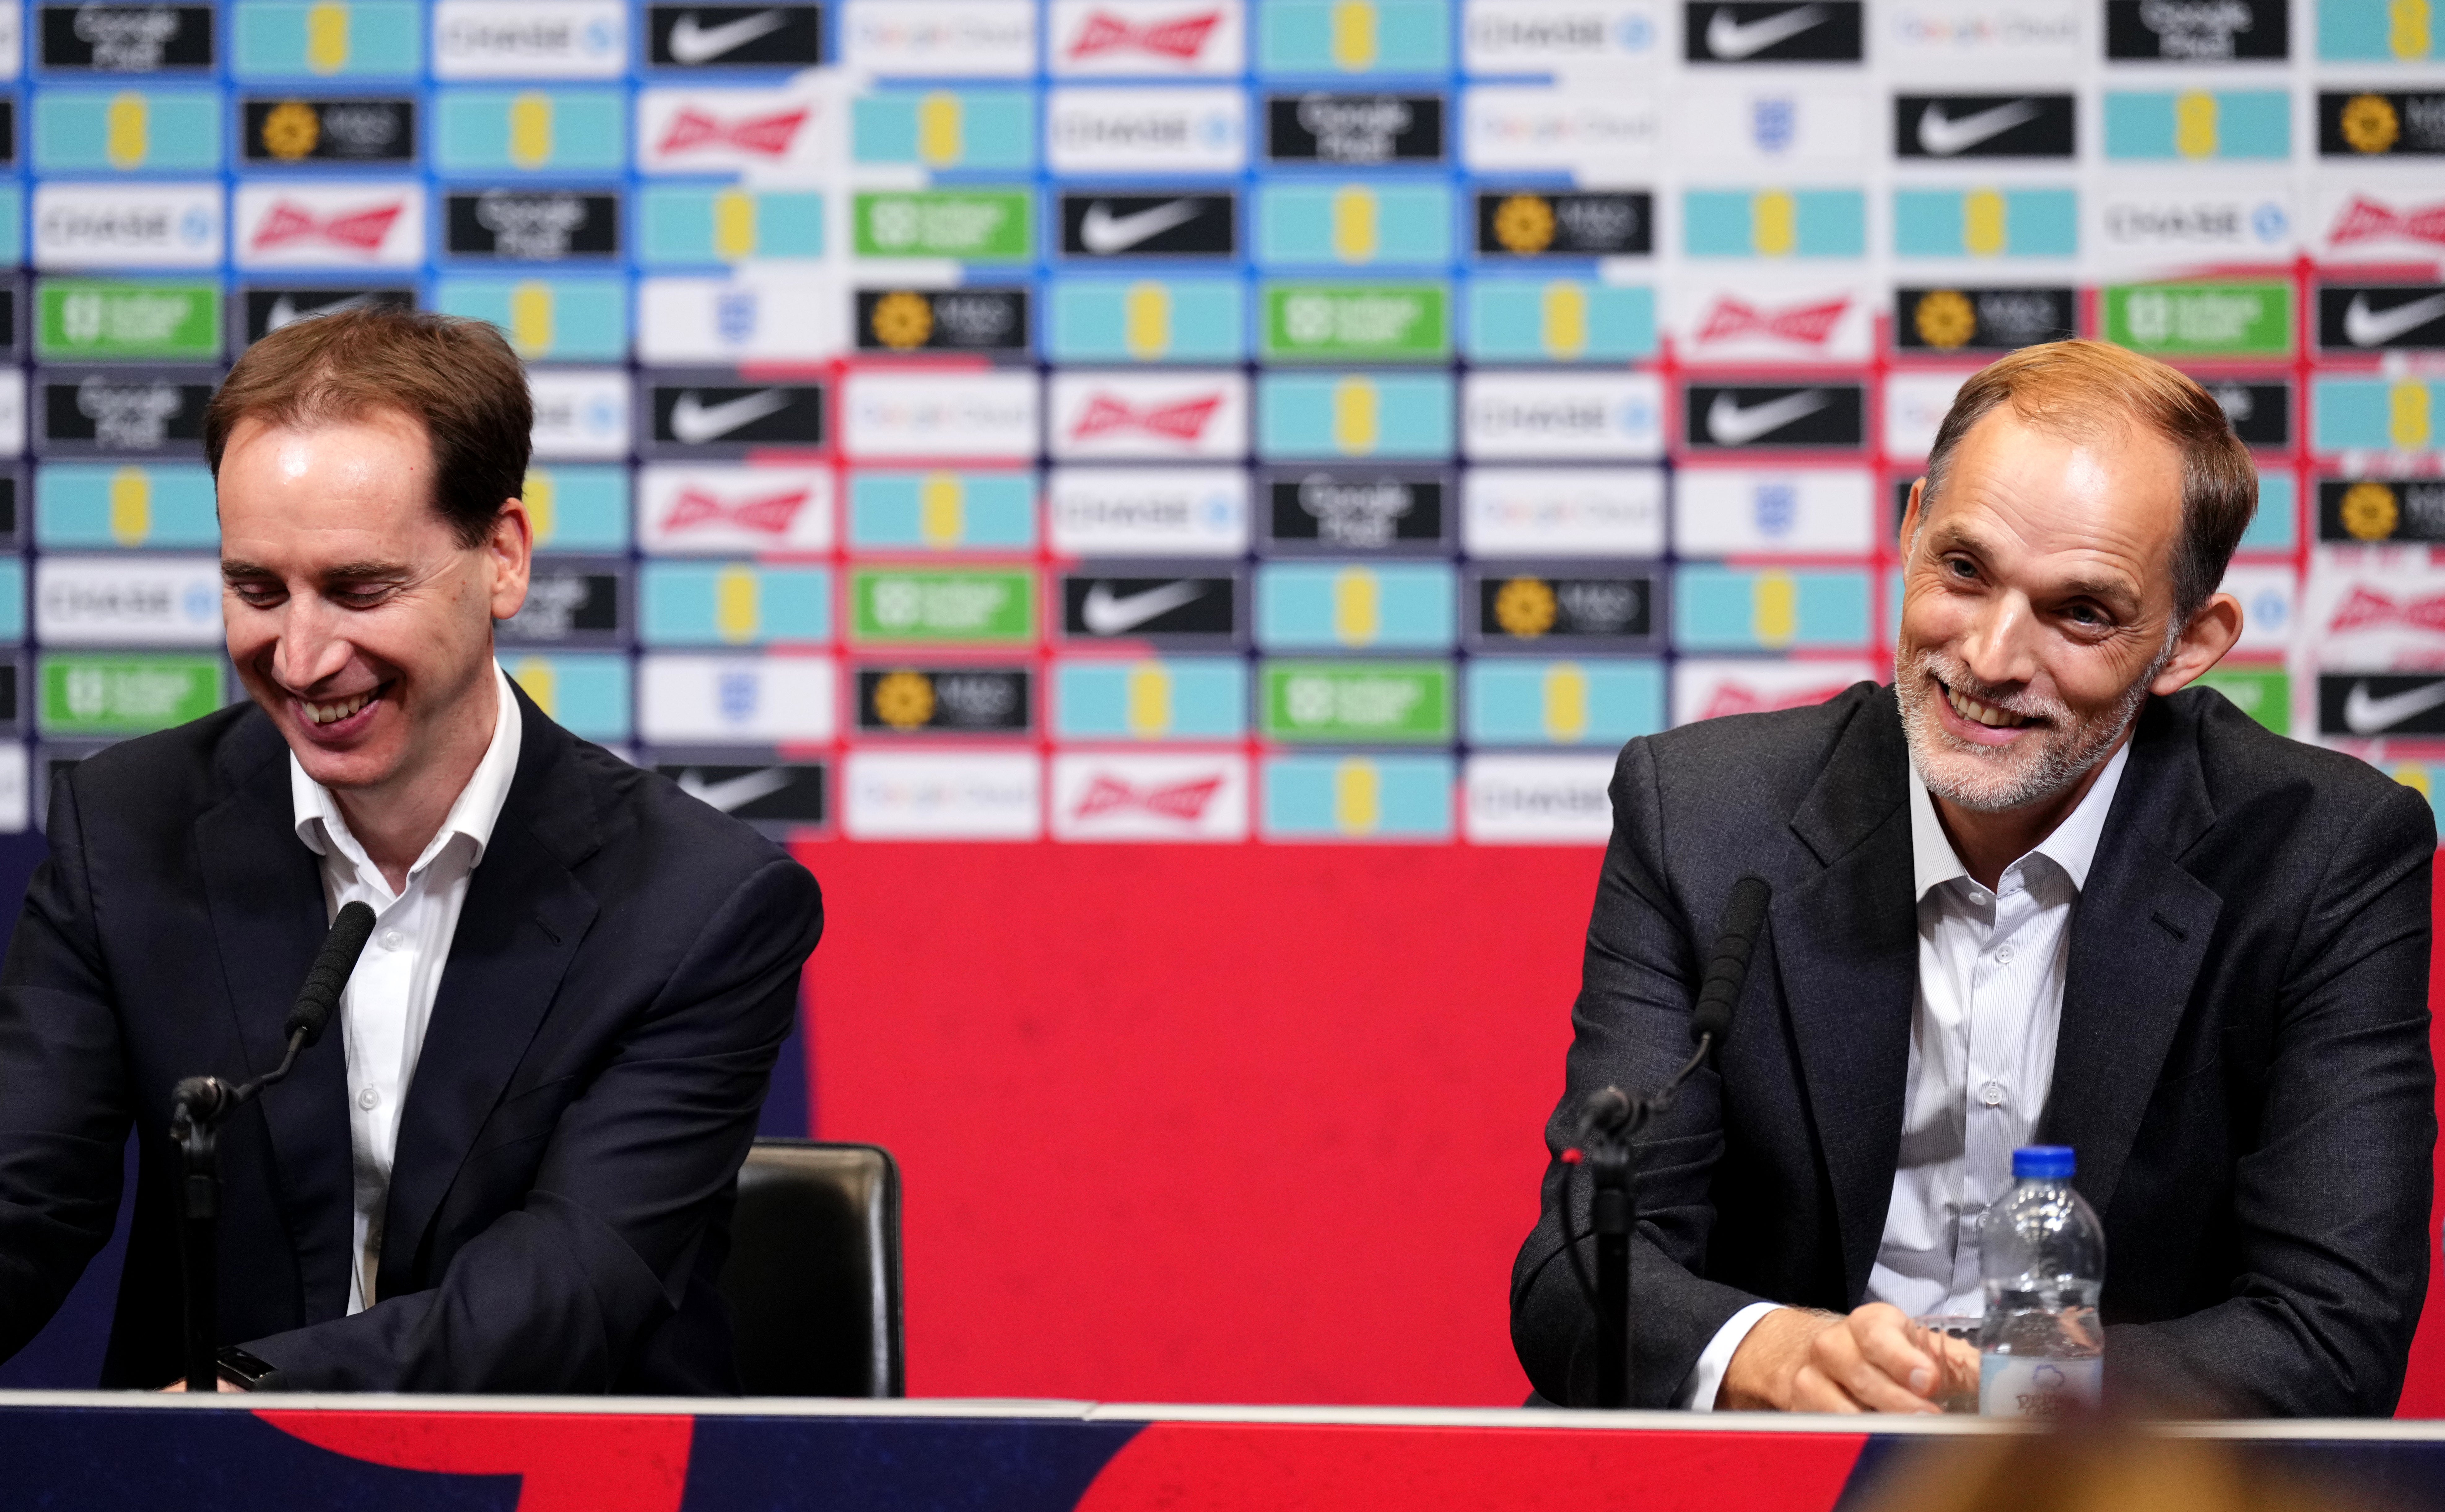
pixel 365 130
pixel 2370 123
pixel 2197 30
pixel 1986 320
pixel 1392 416
pixel 691 36
pixel 1353 36
pixel 564 319
pixel 531 39
pixel 735 604
pixel 326 39
pixel 1147 319
pixel 941 320
pixel 944 128
pixel 1152 699
pixel 2197 124
pixel 126 131
pixel 2377 31
pixel 1355 224
pixel 696 224
pixel 1986 222
pixel 115 504
pixel 126 39
pixel 530 131
pixel 1825 31
pixel 1774 223
pixel 1359 797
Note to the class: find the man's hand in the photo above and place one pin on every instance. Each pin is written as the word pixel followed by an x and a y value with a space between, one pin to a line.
pixel 1800 1361
pixel 180 1385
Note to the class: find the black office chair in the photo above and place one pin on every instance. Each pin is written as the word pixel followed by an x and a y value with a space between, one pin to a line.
pixel 813 1276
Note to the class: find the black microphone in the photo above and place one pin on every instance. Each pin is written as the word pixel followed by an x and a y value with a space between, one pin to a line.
pixel 320 996
pixel 1744 916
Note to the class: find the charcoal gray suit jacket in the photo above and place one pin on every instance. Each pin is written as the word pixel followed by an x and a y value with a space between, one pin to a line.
pixel 625 970
pixel 2243 1064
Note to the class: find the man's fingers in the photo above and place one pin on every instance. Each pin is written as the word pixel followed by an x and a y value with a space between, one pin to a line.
pixel 1884 1339
pixel 1811 1392
pixel 1838 1354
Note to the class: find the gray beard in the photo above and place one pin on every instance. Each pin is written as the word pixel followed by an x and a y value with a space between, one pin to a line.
pixel 1984 780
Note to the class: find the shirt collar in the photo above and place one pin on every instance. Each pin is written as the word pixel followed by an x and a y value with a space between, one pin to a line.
pixel 321 825
pixel 2072 845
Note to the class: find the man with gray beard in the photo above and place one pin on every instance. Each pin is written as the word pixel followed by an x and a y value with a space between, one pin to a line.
pixel 2039 890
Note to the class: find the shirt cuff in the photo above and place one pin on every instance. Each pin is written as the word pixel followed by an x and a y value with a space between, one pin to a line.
pixel 1705 1378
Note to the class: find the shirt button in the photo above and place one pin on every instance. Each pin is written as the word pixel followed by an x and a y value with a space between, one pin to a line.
pixel 369 1099
pixel 392 939
pixel 1978 896
pixel 1992 1094
pixel 2004 954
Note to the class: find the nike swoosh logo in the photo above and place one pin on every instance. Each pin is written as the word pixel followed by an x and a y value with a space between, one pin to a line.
pixel 691 42
pixel 1730 426
pixel 284 310
pixel 2364 326
pixel 734 792
pixel 1101 231
pixel 694 421
pixel 1730 41
pixel 1941 136
pixel 2363 714
pixel 1108 613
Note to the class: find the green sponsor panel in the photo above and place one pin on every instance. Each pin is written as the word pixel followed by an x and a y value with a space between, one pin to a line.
pixel 975 225
pixel 1391 323
pixel 2201 320
pixel 126 695
pixel 979 605
pixel 2263 692
pixel 96 321
pixel 1357 702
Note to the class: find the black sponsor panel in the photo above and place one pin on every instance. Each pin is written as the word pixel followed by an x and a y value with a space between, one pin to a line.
pixel 941 320
pixel 2197 30
pixel 1143 604
pixel 733 36
pixel 1534 223
pixel 11 332
pixel 2368 509
pixel 1720 417
pixel 780 794
pixel 945 700
pixel 532 225
pixel 1198 225
pixel 126 39
pixel 1349 509
pixel 2378 123
pixel 122 413
pixel 13 489
pixel 262 311
pixel 1982 320
pixel 572 603
pixel 327 132
pixel 1523 608
pixel 2260 410
pixel 1946 126
pixel 8 131
pixel 2363 705
pixel 2381 317
pixel 730 414
pixel 1826 31
pixel 1355 129
pixel 12 708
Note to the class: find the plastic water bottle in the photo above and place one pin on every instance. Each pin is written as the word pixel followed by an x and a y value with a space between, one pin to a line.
pixel 2041 1251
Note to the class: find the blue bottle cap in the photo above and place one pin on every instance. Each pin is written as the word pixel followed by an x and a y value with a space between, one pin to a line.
pixel 2045 1162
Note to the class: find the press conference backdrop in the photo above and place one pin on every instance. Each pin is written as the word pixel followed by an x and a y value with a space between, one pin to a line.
pixel 1286 425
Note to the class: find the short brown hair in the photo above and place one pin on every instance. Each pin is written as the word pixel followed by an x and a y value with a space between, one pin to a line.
pixel 2082 387
pixel 456 377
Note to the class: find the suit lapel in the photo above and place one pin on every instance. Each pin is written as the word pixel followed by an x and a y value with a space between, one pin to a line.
pixel 524 915
pixel 264 891
pixel 1846 949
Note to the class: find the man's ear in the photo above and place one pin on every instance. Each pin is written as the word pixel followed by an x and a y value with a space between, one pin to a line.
pixel 1909 516
pixel 509 549
pixel 2211 633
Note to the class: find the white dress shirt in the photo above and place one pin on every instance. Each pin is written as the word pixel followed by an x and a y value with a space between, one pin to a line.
pixel 1982 1055
pixel 382 1014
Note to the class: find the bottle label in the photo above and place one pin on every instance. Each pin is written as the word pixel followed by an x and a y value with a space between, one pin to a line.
pixel 2035 1386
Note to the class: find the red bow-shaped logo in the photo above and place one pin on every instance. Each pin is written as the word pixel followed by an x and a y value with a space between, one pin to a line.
pixel 1810 324
pixel 1181 39
pixel 360 231
pixel 2364 219
pixel 1184 801
pixel 766 136
pixel 2368 609
pixel 770 515
pixel 1733 698
pixel 1181 422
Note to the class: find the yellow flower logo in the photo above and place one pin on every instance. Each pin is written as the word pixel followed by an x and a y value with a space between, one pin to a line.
pixel 2369 511
pixel 1526 607
pixel 1524 223
pixel 2369 123
pixel 903 321
pixel 1945 318
pixel 905 700
pixel 292 130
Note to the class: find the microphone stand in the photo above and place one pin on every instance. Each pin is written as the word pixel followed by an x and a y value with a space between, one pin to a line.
pixel 1607 1151
pixel 197 1106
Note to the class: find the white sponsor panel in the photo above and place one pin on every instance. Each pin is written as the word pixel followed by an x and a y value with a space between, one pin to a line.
pixel 1534 128
pixel 963 415
pixel 1770 124
pixel 686 510
pixel 1726 512
pixel 1148 37
pixel 1933 39
pixel 15 801
pixel 943 39
pixel 747 699
pixel 1708 688
pixel 1916 404
pixel 1563 511
pixel 1797 320
pixel 1559 36
pixel 12 412
pixel 2363 619
pixel 579 412
pixel 1102 129
pixel 943 796
pixel 1147 511
pixel 1188 416
pixel 1149 797
pixel 355 224
pixel 127 600
pixel 1536 799
pixel 756 314
pixel 2270 596
pixel 765 133
pixel 127 225
pixel 1523 417
pixel 2387 221
pixel 2128 223
pixel 530 39
pixel 11 49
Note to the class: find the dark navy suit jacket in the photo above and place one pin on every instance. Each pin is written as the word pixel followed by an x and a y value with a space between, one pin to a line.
pixel 625 970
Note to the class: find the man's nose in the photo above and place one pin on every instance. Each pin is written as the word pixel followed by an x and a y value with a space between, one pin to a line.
pixel 1999 649
pixel 311 647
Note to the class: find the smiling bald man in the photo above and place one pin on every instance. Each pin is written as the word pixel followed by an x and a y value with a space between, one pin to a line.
pixel 2038 891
